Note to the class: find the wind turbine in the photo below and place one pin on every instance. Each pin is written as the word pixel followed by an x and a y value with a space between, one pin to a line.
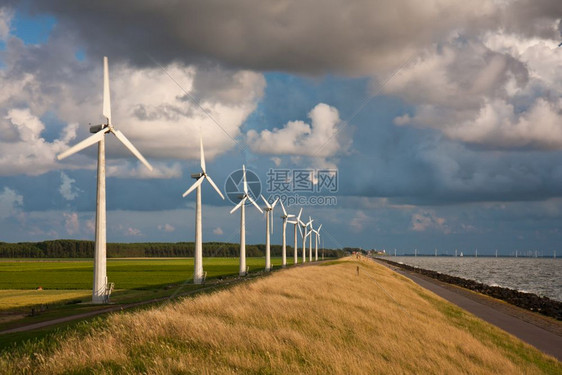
pixel 99 294
pixel 241 205
pixel 285 216
pixel 199 177
pixel 268 215
pixel 317 232
pixel 303 235
pixel 309 224
pixel 295 248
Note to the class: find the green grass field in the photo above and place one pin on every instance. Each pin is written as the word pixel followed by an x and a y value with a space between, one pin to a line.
pixel 62 279
pixel 125 273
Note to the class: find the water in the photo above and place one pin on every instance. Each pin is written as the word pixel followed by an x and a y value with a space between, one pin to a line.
pixel 541 276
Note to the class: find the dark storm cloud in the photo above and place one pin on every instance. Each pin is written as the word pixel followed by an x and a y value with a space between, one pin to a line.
pixel 307 37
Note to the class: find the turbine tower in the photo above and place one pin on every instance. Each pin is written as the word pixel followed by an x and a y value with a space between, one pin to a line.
pixel 241 205
pixel 99 293
pixel 285 216
pixel 310 238
pixel 295 249
pixel 303 235
pixel 268 216
pixel 199 177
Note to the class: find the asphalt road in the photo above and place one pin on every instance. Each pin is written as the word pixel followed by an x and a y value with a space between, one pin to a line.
pixel 543 339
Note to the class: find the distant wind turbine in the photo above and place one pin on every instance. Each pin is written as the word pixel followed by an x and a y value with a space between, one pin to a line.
pixel 309 224
pixel 241 206
pixel 199 177
pixel 285 216
pixel 268 226
pixel 99 294
pixel 296 224
pixel 317 232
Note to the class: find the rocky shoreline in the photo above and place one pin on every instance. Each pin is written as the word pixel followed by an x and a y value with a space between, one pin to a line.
pixel 529 301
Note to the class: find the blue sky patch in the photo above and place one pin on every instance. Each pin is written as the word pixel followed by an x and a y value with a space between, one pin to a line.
pixel 32 29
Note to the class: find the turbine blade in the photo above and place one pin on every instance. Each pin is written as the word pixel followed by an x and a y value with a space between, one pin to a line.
pixel 244 177
pixel 255 204
pixel 274 203
pixel 120 136
pixel 95 138
pixel 290 215
pixel 202 156
pixel 238 205
pixel 213 185
pixel 271 221
pixel 300 230
pixel 299 216
pixel 291 222
pixel 194 186
pixel 320 227
pixel 283 208
pixel 265 201
pixel 106 96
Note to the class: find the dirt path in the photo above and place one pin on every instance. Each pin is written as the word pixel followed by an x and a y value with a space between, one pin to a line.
pixel 543 333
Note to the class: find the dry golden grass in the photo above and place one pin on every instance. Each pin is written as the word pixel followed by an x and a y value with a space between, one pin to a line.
pixel 307 320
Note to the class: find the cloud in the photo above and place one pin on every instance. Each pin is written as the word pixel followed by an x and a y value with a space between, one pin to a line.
pixel 311 37
pixel 358 222
pixel 10 203
pixel 320 138
pixel 71 224
pixel 500 91
pixel 427 220
pixel 218 231
pixel 168 228
pixel 66 189
pixel 133 232
pixel 128 170
pixel 6 15
pixel 160 109
pixel 24 151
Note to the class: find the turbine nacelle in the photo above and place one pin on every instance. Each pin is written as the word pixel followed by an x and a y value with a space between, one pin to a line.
pixel 202 175
pixel 245 196
pixel 97 128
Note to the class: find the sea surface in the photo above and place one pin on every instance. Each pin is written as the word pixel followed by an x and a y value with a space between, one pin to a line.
pixel 541 276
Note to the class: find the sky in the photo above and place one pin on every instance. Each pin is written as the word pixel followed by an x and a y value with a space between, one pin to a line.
pixel 394 124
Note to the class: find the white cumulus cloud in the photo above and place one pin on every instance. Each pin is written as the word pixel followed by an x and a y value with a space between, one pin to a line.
pixel 66 189
pixel 10 203
pixel 320 138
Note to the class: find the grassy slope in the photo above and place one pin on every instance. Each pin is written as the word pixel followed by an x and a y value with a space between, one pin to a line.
pixel 315 319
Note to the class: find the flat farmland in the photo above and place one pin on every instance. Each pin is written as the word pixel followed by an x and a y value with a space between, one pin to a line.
pixel 63 279
pixel 125 273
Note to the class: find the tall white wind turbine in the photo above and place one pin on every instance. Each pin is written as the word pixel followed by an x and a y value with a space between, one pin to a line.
pixel 99 294
pixel 268 225
pixel 303 235
pixel 295 248
pixel 286 216
pixel 241 205
pixel 199 177
pixel 317 232
pixel 309 224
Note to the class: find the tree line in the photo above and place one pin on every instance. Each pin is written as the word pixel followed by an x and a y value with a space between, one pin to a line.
pixel 85 249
